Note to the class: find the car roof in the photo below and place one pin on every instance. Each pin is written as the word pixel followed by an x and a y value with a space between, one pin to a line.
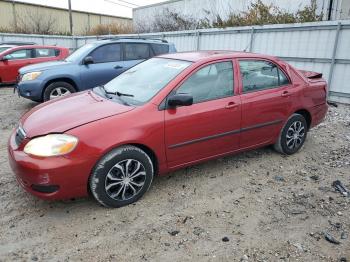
pixel 35 46
pixel 131 40
pixel 213 54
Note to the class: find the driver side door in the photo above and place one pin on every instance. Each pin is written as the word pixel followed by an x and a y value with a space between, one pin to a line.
pixel 211 125
pixel 107 64
pixel 14 61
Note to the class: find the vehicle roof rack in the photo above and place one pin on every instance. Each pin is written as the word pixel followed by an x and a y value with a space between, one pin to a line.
pixel 133 38
pixel 17 43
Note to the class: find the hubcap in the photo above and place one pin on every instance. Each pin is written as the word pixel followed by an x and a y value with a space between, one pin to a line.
pixel 125 179
pixel 295 135
pixel 58 92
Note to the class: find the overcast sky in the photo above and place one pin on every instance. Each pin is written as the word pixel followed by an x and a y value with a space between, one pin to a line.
pixel 110 7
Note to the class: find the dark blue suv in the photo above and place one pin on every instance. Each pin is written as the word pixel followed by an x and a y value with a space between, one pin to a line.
pixel 91 65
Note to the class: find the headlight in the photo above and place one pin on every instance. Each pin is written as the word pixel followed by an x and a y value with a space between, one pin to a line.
pixel 31 76
pixel 51 145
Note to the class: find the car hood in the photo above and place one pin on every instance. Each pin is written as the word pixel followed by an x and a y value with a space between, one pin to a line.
pixel 44 66
pixel 66 113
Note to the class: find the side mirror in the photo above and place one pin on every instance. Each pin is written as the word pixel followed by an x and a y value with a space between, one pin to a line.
pixel 88 60
pixel 180 100
pixel 4 58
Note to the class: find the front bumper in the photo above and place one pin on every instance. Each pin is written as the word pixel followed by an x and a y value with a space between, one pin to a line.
pixel 30 89
pixel 50 178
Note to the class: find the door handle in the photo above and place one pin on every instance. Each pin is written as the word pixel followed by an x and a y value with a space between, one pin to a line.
pixel 231 105
pixel 118 67
pixel 285 94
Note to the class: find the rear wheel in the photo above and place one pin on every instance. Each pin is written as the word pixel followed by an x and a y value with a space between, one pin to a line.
pixel 121 177
pixel 57 89
pixel 292 135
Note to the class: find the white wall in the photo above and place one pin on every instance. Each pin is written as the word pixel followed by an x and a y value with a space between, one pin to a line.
pixel 144 16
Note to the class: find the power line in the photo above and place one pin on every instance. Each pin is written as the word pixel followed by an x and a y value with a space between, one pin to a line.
pixel 128 2
pixel 112 2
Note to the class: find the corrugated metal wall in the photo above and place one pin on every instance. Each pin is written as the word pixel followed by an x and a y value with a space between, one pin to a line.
pixel 82 21
pixel 323 46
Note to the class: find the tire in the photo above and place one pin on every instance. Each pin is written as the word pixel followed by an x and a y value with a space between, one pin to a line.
pixel 107 183
pixel 292 135
pixel 53 90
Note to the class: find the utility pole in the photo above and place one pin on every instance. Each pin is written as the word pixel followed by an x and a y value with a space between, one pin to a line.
pixel 70 17
pixel 14 15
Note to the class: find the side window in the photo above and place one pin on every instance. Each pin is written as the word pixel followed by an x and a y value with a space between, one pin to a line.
pixel 107 53
pixel 259 75
pixel 211 82
pixel 57 52
pixel 160 49
pixel 20 54
pixel 45 52
pixel 136 51
pixel 283 78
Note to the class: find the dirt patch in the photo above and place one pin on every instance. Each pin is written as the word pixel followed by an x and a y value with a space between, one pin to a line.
pixel 256 206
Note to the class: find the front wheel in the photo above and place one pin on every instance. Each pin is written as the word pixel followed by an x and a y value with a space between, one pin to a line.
pixel 292 135
pixel 57 89
pixel 121 177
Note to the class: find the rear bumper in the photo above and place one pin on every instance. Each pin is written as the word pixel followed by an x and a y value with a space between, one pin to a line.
pixel 318 114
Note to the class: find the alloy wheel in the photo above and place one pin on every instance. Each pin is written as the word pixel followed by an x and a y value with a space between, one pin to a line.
pixel 295 135
pixel 58 92
pixel 125 179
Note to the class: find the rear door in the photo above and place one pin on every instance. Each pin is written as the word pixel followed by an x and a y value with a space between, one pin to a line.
pixel 266 101
pixel 211 125
pixel 14 61
pixel 107 65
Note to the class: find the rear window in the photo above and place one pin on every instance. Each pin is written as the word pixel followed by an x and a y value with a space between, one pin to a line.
pixel 160 49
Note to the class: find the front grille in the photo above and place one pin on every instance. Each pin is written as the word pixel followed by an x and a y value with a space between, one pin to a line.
pixel 20 136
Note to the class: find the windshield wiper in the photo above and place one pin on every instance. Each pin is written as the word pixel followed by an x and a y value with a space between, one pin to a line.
pixel 115 93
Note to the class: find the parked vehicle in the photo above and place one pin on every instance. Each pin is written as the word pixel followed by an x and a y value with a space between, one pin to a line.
pixel 17 43
pixel 13 57
pixel 90 66
pixel 166 113
pixel 5 47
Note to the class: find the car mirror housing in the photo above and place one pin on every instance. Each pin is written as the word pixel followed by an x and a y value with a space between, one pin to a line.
pixel 4 58
pixel 88 60
pixel 180 100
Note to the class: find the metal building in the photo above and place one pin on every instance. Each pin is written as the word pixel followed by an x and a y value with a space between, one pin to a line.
pixel 144 16
pixel 15 13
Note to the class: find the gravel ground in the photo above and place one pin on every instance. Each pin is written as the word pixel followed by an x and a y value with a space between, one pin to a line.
pixel 256 206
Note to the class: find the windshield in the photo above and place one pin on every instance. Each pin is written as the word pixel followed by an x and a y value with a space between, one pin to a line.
pixel 77 54
pixel 3 48
pixel 143 81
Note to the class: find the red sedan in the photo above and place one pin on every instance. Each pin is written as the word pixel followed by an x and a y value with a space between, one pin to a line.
pixel 12 58
pixel 167 113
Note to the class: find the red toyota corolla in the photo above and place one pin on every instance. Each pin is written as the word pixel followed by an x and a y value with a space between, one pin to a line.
pixel 166 113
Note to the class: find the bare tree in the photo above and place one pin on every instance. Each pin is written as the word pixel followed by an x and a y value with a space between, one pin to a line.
pixel 36 22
